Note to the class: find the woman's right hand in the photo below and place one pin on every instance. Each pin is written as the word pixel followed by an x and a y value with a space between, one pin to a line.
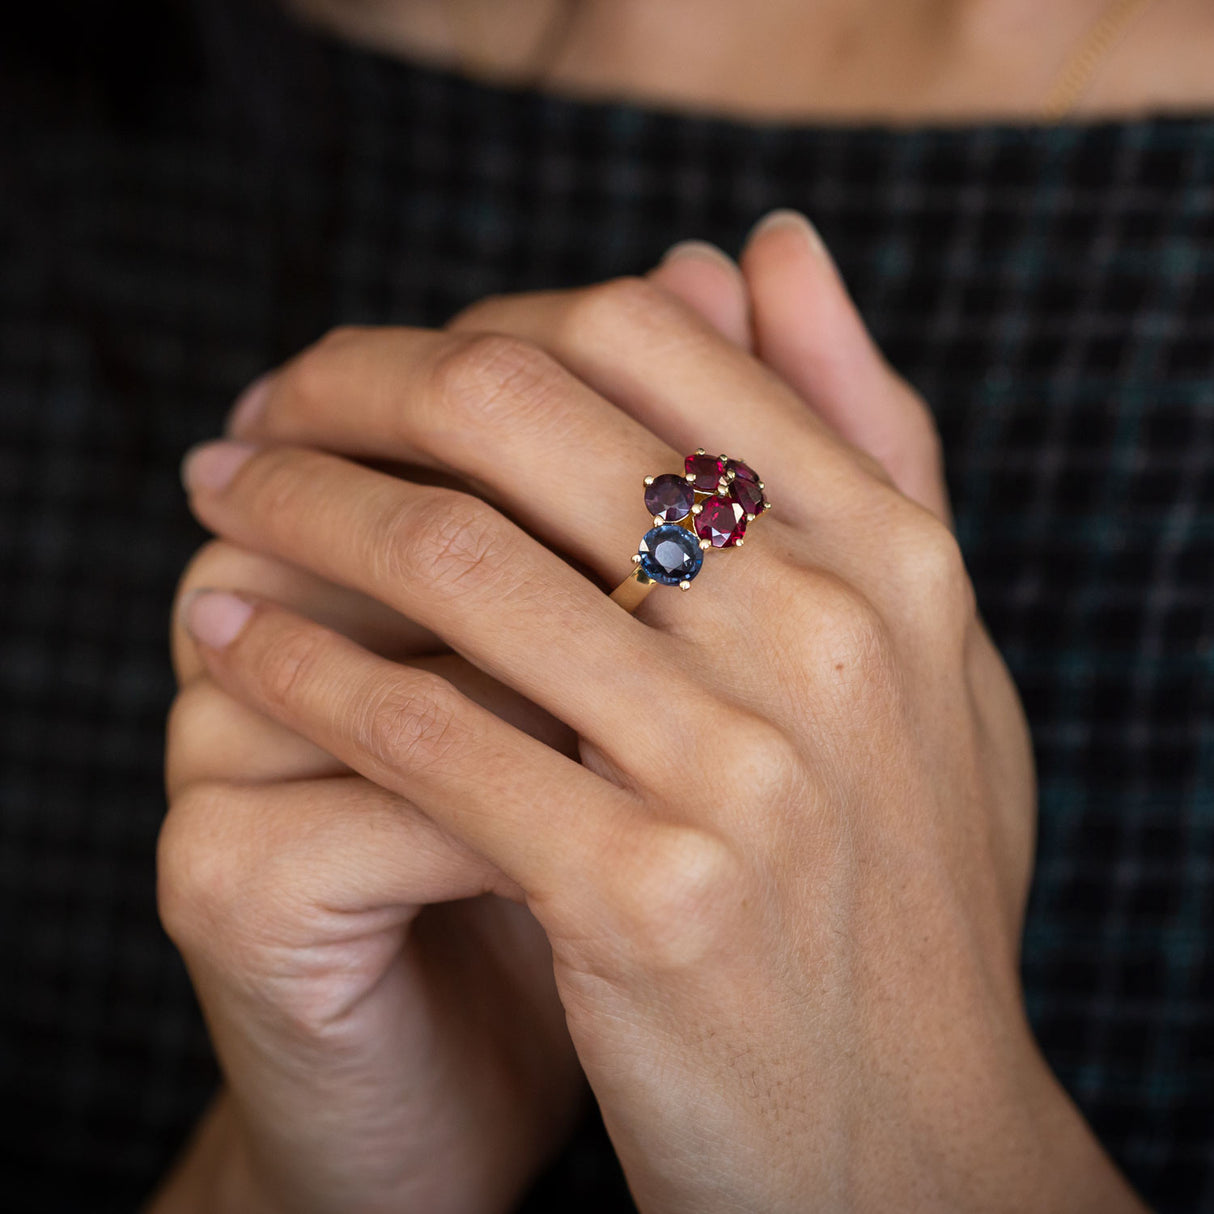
pixel 377 1057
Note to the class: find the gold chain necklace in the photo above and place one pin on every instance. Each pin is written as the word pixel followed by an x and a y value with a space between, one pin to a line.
pixel 1080 69
pixel 1072 82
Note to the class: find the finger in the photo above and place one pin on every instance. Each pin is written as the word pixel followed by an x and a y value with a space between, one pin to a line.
pixel 361 618
pixel 808 329
pixel 710 283
pixel 458 567
pixel 342 843
pixel 536 815
pixel 666 365
pixel 213 737
pixel 525 433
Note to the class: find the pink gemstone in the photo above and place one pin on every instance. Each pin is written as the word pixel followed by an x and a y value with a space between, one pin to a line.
pixel 722 521
pixel 707 469
pixel 748 495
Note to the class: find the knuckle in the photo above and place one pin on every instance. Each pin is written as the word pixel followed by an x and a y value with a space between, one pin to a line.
pixel 314 375
pixel 930 571
pixel 762 765
pixel 455 542
pixel 851 634
pixel 342 337
pixel 282 669
pixel 620 303
pixel 277 489
pixel 494 378
pixel 487 312
pixel 200 877
pixel 191 705
pixel 413 724
pixel 679 896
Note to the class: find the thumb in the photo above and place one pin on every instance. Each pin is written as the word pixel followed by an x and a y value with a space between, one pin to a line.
pixel 808 331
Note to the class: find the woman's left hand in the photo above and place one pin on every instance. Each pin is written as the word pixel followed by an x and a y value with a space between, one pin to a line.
pixel 785 886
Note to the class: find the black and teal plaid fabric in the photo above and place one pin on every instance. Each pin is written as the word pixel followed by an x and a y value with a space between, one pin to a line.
pixel 166 232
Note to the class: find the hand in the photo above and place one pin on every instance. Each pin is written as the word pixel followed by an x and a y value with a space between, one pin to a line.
pixel 243 787
pixel 784 888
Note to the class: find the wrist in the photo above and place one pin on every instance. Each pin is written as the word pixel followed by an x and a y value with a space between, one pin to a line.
pixel 1076 1174
pixel 211 1173
pixel 1014 1140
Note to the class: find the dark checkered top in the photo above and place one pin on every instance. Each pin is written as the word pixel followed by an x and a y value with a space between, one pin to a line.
pixel 171 224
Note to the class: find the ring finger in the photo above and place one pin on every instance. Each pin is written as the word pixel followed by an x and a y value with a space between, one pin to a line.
pixel 497 412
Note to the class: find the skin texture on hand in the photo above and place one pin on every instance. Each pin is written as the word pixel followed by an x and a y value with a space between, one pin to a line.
pixel 271 783
pixel 782 877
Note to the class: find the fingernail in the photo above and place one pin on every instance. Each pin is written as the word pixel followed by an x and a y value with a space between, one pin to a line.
pixel 250 404
pixel 215 618
pixel 784 217
pixel 212 465
pixel 702 249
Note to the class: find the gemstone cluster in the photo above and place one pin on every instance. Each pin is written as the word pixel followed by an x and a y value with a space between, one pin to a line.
pixel 708 506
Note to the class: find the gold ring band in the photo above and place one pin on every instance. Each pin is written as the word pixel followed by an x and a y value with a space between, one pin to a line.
pixel 632 590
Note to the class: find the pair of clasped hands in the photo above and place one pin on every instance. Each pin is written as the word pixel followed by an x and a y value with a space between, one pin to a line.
pixel 452 834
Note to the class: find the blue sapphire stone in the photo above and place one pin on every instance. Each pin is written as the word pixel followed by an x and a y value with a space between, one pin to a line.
pixel 674 555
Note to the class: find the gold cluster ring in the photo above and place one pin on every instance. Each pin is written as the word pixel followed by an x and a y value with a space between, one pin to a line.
pixel 709 506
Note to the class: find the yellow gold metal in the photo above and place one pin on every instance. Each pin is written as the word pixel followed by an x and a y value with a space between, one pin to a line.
pixel 706 544
pixel 684 585
pixel 632 590
pixel 648 480
pixel 699 450
pixel 1082 67
pixel 698 508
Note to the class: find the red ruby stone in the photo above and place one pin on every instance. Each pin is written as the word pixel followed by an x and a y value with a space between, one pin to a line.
pixel 707 470
pixel 748 495
pixel 722 522
pixel 744 488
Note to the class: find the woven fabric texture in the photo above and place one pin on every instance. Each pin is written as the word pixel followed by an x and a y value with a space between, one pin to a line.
pixel 1050 291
